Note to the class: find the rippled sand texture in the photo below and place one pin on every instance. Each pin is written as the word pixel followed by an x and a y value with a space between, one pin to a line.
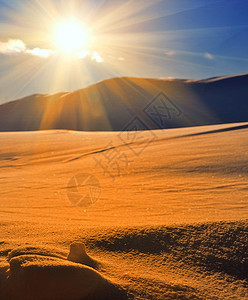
pixel 170 221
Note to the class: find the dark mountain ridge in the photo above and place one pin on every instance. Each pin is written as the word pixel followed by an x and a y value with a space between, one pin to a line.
pixel 132 103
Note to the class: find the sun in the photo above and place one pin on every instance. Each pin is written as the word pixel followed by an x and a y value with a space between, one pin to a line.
pixel 71 36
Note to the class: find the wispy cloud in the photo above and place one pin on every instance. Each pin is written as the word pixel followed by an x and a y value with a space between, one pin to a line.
pixel 15 47
pixel 170 53
pixel 40 52
pixel 12 47
pixel 95 56
pixel 208 56
pixel 83 54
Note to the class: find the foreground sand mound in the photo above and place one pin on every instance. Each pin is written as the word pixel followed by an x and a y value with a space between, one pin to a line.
pixel 33 276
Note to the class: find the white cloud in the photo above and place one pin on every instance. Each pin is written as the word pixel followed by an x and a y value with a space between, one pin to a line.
pixel 40 52
pixel 208 55
pixel 83 54
pixel 92 55
pixel 12 47
pixel 96 56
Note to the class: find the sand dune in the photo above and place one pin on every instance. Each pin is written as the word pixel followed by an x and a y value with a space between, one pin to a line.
pixel 169 222
pixel 113 104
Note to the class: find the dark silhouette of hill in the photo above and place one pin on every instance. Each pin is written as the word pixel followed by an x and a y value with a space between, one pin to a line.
pixel 133 103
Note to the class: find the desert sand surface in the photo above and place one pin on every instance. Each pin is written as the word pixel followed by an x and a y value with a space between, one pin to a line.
pixel 169 218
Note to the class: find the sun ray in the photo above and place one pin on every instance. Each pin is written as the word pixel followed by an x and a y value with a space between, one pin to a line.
pixel 103 33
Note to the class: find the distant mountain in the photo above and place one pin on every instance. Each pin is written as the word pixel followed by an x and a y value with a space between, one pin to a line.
pixel 133 103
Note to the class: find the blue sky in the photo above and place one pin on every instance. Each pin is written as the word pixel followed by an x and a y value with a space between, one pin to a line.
pixel 158 39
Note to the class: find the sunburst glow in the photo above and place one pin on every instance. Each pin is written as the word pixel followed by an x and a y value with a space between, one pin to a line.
pixel 71 36
pixel 67 45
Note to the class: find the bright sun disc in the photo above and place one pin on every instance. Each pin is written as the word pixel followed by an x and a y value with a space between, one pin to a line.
pixel 71 36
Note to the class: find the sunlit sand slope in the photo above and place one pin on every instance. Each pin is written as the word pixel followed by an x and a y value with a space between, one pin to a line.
pixel 153 177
